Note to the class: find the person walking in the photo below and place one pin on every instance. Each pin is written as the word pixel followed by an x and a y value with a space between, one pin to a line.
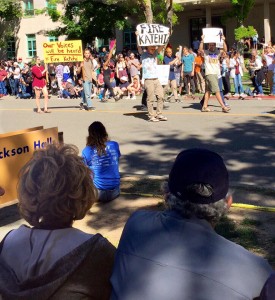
pixel 212 72
pixel 86 69
pixel 151 82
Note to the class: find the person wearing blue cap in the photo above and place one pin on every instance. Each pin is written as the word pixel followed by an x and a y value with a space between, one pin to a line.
pixel 175 253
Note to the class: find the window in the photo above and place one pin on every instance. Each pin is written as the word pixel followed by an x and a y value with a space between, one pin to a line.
pixel 53 38
pixel 11 49
pixel 130 39
pixel 196 26
pixel 50 5
pixel 31 39
pixel 28 8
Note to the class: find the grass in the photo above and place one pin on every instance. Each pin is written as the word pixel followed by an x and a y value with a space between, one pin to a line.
pixel 253 233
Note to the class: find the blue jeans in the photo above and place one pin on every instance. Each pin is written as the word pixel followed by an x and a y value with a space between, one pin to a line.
pixel 12 86
pixel 87 86
pixel 273 85
pixel 108 195
pixel 3 89
pixel 238 84
pixel 258 86
pixel 66 94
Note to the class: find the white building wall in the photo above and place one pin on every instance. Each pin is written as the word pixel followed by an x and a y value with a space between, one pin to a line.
pixel 38 25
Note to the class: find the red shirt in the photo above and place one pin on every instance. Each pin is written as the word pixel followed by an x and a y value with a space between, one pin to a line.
pixel 39 80
pixel 3 74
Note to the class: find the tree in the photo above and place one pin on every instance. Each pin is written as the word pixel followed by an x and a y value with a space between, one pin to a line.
pixel 10 15
pixel 87 19
pixel 240 10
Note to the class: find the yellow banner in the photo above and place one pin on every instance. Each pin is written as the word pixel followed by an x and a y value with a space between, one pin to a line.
pixel 15 151
pixel 63 51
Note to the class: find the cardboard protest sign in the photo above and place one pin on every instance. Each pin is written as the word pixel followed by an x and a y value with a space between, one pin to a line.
pixel 213 35
pixel 163 73
pixel 64 51
pixel 15 151
pixel 152 34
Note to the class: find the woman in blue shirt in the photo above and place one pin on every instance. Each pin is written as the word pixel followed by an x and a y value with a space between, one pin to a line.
pixel 102 156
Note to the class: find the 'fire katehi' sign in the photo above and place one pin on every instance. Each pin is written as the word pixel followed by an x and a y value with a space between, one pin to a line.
pixel 152 34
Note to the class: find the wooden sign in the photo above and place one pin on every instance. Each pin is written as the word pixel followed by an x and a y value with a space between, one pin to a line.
pixel 152 34
pixel 16 149
pixel 64 51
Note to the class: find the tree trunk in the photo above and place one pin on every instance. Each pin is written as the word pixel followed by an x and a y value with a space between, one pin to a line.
pixel 148 11
pixel 169 11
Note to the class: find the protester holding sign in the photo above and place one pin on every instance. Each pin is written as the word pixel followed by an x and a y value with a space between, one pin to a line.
pixel 149 67
pixel 39 84
pixel 212 71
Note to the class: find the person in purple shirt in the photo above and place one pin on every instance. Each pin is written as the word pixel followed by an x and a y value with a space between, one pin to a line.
pixel 102 156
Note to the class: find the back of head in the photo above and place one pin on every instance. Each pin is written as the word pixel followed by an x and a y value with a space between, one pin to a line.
pixel 198 181
pixel 97 137
pixel 55 188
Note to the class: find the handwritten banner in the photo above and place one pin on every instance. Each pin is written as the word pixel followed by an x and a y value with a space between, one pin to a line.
pixel 163 74
pixel 213 35
pixel 152 34
pixel 16 148
pixel 65 51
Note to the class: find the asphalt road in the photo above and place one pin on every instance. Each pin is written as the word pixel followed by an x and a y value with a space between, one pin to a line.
pixel 245 137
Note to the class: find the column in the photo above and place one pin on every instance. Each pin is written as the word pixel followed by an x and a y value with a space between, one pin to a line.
pixel 208 16
pixel 267 33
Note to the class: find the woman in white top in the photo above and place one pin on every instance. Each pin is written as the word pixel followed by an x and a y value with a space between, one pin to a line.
pixel 16 75
pixel 236 73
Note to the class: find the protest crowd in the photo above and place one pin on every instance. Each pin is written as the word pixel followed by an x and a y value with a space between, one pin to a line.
pixel 168 253
pixel 123 75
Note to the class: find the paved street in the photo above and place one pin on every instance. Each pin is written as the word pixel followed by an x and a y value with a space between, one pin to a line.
pixel 244 137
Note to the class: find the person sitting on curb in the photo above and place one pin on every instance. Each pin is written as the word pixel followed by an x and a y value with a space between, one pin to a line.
pixel 102 156
pixel 176 253
pixel 51 259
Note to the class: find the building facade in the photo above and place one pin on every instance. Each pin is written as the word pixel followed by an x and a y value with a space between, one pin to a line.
pixel 31 32
pixel 196 15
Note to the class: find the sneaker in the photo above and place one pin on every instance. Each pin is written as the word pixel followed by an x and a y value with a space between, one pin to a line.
pixel 226 96
pixel 243 95
pixel 134 98
pixel 205 109
pixel 143 108
pixel 153 119
pixel 161 118
pixel 81 106
pixel 226 109
pixel 118 98
pixel 167 100
pixel 90 108
pixel 169 96
pixel 236 95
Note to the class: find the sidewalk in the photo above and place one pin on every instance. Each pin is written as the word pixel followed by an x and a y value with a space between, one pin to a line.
pixel 144 193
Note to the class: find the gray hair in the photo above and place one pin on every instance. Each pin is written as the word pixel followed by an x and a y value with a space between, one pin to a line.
pixel 211 212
